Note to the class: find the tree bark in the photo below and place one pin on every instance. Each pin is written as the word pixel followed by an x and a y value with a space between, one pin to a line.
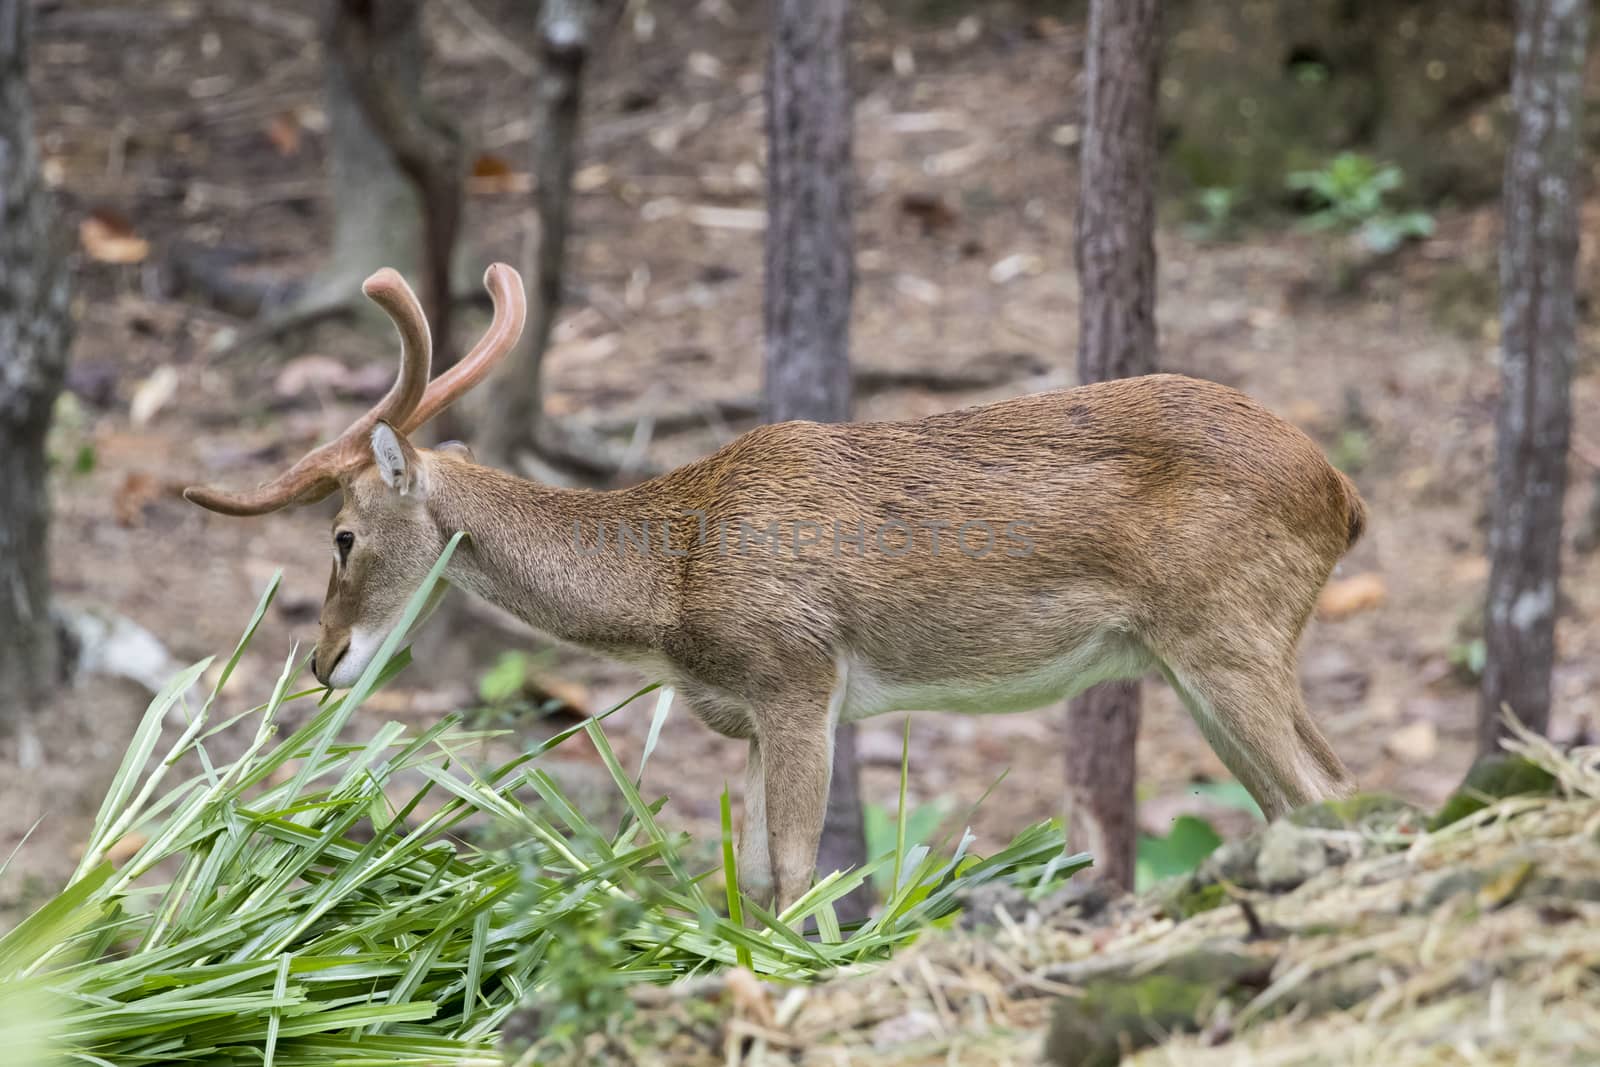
pixel 377 212
pixel 375 52
pixel 1117 338
pixel 1538 316
pixel 567 31
pixel 34 332
pixel 806 303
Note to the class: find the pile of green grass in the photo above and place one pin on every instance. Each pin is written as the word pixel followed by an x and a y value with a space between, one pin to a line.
pixel 284 908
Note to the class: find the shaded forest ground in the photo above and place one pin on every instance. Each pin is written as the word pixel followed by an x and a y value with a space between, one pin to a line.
pixel 200 124
pixel 1354 933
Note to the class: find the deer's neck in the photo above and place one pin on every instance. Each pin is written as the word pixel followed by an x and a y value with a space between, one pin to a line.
pixel 532 550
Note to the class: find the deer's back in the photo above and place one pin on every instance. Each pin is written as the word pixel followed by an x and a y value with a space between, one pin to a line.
pixel 1134 502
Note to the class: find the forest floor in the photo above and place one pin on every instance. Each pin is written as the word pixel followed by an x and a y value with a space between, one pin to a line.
pixel 178 122
pixel 1349 934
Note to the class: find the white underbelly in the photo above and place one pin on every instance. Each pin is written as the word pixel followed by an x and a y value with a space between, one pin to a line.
pixel 870 692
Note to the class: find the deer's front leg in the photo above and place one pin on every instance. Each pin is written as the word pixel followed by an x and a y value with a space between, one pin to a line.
pixel 796 750
pixel 755 863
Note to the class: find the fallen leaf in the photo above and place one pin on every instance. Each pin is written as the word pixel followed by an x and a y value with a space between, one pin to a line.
pixel 283 130
pixel 312 373
pixel 490 166
pixel 153 394
pixel 1015 266
pixel 705 65
pixel 590 178
pixel 318 374
pixel 928 209
pixel 493 175
pixel 749 997
pixel 1503 888
pixel 1416 742
pixel 136 490
pixel 919 289
pixel 109 238
pixel 124 848
pixel 1351 596
pixel 1305 413
pixel 728 218
pixel 559 696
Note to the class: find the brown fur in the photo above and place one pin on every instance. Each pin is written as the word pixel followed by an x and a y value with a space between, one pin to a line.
pixel 1175 525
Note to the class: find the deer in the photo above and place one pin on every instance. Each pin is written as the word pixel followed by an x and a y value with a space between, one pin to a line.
pixel 995 558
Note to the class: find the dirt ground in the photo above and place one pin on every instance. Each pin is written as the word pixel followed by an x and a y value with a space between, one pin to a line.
pixel 201 123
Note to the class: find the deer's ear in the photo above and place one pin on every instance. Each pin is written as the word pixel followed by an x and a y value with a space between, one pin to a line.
pixel 454 448
pixel 397 461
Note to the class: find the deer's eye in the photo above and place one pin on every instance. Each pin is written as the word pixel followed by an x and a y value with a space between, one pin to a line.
pixel 344 539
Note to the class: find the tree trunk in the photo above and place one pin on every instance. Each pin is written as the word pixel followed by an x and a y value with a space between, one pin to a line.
pixel 567 29
pixel 1117 338
pixel 34 329
pixel 377 212
pixel 806 303
pixel 397 182
pixel 375 54
pixel 1538 316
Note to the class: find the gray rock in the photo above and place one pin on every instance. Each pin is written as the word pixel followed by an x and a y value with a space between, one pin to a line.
pixel 1289 856
pixel 100 642
pixel 1233 862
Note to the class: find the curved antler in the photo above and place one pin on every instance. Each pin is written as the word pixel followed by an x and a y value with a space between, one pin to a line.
pixel 317 475
pixel 510 314
pixel 390 292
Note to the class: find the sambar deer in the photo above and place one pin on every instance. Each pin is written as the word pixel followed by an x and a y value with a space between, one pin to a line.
pixel 995 558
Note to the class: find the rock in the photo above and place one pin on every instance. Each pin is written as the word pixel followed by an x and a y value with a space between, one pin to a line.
pixel 1138 1008
pixel 1234 862
pixel 904 1029
pixel 99 642
pixel 1290 855
pixel 1415 742
pixel 1494 778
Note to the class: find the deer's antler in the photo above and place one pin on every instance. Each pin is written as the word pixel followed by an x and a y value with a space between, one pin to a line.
pixel 408 404
pixel 510 313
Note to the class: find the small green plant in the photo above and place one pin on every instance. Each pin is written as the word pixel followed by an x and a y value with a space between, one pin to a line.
pixel 504 682
pixel 507 691
pixel 1184 848
pixel 1349 195
pixel 1467 658
pixel 1213 210
pixel 1191 838
pixel 70 442
pixel 1352 450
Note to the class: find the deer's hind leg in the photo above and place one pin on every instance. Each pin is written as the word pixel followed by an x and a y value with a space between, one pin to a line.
pixel 1251 711
pixel 755 863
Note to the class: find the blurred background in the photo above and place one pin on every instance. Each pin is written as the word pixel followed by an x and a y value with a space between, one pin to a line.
pixel 226 172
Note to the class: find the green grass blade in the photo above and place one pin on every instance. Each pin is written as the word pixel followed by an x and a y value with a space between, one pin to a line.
pixel 657 720
pixel 730 876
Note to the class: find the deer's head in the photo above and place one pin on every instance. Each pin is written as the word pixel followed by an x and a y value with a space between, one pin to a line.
pixel 384 539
